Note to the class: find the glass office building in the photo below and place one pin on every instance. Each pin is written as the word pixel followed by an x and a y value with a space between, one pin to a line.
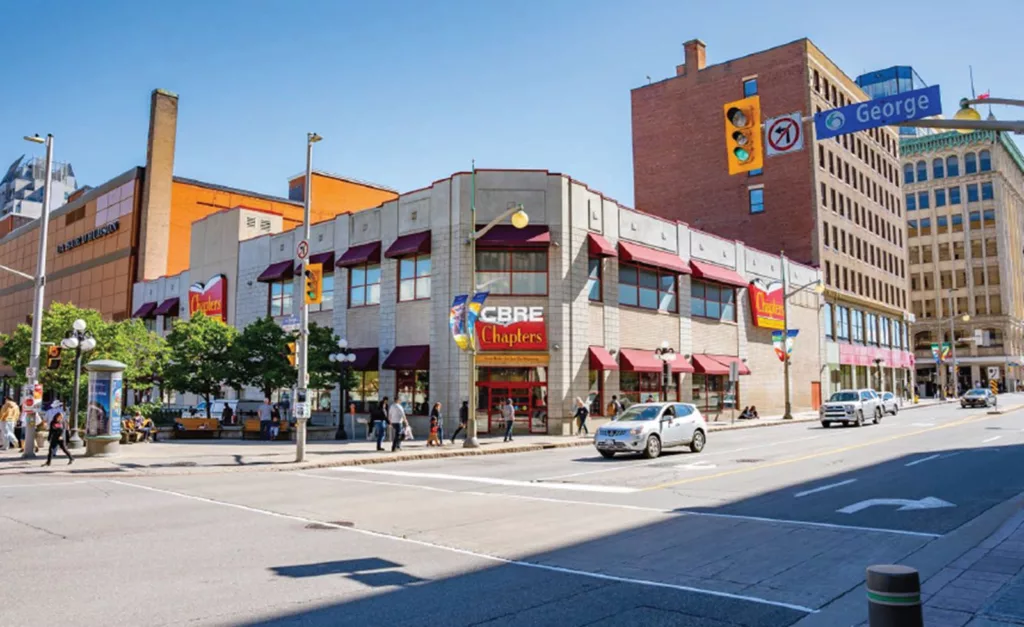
pixel 889 82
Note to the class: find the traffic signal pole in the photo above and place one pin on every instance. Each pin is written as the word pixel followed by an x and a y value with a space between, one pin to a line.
pixel 303 343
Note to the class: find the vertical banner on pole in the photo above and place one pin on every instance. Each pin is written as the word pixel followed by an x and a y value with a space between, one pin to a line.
pixel 457 321
pixel 475 305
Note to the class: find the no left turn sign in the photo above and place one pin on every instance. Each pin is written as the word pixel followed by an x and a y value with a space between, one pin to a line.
pixel 784 134
pixel 302 250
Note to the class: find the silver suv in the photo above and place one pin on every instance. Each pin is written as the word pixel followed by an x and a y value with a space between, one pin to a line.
pixel 852 407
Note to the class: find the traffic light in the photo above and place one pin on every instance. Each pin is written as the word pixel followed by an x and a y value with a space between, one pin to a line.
pixel 743 135
pixel 53 357
pixel 314 283
pixel 291 353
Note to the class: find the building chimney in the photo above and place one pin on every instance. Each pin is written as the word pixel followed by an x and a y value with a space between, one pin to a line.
pixel 155 214
pixel 696 53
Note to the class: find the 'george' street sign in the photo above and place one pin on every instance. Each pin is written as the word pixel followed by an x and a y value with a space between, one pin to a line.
pixel 910 105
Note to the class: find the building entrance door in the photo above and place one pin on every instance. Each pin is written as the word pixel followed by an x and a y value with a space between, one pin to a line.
pixel 528 400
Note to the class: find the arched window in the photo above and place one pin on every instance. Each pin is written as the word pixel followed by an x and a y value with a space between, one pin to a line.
pixel 952 166
pixel 937 169
pixel 922 171
pixel 985 157
pixel 970 163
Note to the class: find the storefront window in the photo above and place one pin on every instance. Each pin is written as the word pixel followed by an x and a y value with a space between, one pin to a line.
pixel 364 285
pixel 595 398
pixel 594 291
pixel 710 300
pixel 366 392
pixel 320 399
pixel 523 273
pixel 413 391
pixel 150 324
pixel 414 277
pixel 648 288
pixel 710 393
pixel 327 300
pixel 858 326
pixel 638 387
pixel 169 322
pixel 280 298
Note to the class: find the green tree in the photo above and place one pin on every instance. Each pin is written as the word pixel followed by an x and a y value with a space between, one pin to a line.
pixel 143 352
pixel 200 354
pixel 323 373
pixel 260 357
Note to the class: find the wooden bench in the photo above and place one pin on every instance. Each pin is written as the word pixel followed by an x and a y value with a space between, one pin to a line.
pixel 196 427
pixel 251 428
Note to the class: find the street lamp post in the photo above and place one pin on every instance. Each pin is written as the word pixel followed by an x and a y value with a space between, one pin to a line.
pixel 667 355
pixel 80 341
pixel 818 288
pixel 343 358
pixel 40 283
pixel 520 220
pixel 303 343
pixel 954 369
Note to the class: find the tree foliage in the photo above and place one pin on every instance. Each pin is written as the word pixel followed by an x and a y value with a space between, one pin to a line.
pixel 324 373
pixel 260 357
pixel 200 354
pixel 143 352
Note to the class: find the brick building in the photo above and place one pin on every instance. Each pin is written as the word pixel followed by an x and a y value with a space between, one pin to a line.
pixel 835 205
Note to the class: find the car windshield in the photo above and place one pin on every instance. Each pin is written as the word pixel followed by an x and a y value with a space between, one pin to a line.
pixel 840 397
pixel 976 393
pixel 636 413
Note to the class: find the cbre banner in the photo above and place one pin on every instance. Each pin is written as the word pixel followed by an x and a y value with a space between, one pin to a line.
pixel 910 105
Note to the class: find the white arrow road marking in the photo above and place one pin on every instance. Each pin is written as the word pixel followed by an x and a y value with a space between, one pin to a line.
pixel 823 488
pixel 922 460
pixel 928 502
pixel 992 439
pixel 697 466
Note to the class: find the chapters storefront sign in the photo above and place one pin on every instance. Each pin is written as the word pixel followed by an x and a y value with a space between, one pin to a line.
pixel 505 328
pixel 85 238
pixel 766 306
pixel 210 298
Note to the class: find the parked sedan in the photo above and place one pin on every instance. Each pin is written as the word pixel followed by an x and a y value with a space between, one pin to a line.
pixel 890 404
pixel 978 397
pixel 649 428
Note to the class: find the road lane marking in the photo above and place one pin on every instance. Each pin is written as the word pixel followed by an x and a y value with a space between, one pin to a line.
pixel 992 439
pixel 642 508
pixel 823 488
pixel 922 424
pixel 44 484
pixel 905 505
pixel 922 460
pixel 515 483
pixel 698 466
pixel 477 555
pixel 782 462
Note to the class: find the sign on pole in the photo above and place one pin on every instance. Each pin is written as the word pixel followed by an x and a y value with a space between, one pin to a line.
pixel 290 323
pixel 302 250
pixel 910 105
pixel 993 372
pixel 784 134
pixel 734 371
pixel 302 410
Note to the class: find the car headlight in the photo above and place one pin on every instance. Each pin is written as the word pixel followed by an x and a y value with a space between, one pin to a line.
pixel 849 409
pixel 636 430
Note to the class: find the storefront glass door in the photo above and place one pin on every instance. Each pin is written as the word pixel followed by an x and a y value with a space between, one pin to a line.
pixel 525 386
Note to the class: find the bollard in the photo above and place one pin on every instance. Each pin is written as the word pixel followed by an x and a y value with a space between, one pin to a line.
pixel 894 596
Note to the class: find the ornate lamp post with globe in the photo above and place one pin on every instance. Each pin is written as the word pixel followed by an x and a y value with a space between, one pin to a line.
pixel 80 341
pixel 343 361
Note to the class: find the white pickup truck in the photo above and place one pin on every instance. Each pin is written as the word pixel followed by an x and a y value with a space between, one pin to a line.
pixel 851 407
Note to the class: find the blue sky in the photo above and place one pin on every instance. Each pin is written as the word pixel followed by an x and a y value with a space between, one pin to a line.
pixel 408 92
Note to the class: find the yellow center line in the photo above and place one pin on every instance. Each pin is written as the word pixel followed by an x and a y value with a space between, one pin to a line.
pixel 969 419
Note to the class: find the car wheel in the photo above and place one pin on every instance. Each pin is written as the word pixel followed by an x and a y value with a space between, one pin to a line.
pixel 607 454
pixel 860 418
pixel 698 441
pixel 653 448
pixel 878 415
pixel 895 410
pixel 826 424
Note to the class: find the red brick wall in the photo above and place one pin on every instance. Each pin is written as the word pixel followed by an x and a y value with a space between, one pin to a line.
pixel 679 154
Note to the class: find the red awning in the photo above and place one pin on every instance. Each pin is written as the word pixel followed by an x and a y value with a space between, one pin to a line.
pixel 635 360
pixel 508 236
pixel 651 257
pixel 324 259
pixel 598 246
pixel 145 310
pixel 167 308
pixel 366 359
pixel 601 359
pixel 705 364
pixel 408 358
pixel 413 244
pixel 718 274
pixel 276 272
pixel 726 360
pixel 357 255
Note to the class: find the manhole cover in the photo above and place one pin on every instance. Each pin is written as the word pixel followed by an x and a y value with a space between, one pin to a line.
pixel 333 525
pixel 749 460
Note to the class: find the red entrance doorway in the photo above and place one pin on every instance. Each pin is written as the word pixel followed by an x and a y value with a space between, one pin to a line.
pixel 527 387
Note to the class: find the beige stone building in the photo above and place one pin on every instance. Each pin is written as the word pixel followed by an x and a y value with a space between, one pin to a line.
pixel 964 195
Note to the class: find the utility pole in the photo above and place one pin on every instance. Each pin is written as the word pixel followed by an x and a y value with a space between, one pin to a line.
pixel 301 395
pixel 788 413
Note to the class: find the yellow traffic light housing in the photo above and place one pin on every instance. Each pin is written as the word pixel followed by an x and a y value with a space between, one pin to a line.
pixel 291 353
pixel 314 277
pixel 745 151
pixel 53 357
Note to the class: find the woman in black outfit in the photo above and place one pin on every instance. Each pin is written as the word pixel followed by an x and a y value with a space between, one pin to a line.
pixel 56 438
pixel 581 415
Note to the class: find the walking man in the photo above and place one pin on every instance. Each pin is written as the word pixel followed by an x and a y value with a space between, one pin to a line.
pixel 266 412
pixel 463 420
pixel 8 417
pixel 508 413
pixel 56 438
pixel 396 416
pixel 380 423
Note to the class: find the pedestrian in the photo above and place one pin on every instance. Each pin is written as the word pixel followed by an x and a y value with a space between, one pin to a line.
pixel 650 398
pixel 432 438
pixel 227 416
pixel 379 421
pixel 435 412
pixel 396 416
pixel 8 418
pixel 265 412
pixel 614 407
pixel 385 405
pixel 581 416
pixel 753 413
pixel 508 412
pixel 56 438
pixel 275 422
pixel 463 420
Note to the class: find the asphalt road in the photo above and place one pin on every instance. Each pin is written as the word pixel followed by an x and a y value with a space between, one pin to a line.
pixel 765 527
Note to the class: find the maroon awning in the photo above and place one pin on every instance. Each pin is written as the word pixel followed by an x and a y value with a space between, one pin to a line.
pixel 366 359
pixel 705 364
pixel 598 246
pixel 324 259
pixel 508 236
pixel 652 257
pixel 167 308
pixel 358 255
pixel 718 274
pixel 145 310
pixel 276 272
pixel 408 358
pixel 412 244
pixel 601 359
pixel 635 360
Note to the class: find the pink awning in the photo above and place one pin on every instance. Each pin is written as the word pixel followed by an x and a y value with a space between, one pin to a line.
pixel 598 246
pixel 718 274
pixel 601 359
pixel 651 257
pixel 412 244
pixel 635 360
pixel 705 364
pixel 727 360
